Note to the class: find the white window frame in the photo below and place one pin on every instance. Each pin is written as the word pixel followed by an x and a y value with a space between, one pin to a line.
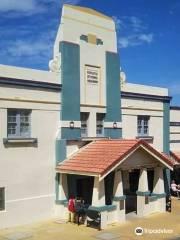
pixel 18 123
pixel 100 124
pixel 84 124
pixel 142 126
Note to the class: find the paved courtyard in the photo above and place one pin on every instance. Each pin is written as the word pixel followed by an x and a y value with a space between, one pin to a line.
pixel 56 230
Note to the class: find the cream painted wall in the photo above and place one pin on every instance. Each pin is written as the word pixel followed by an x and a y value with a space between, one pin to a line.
pixel 28 172
pixel 28 74
pixel 94 94
pixel 75 23
pixel 30 95
pixel 144 89
pixel 138 159
pixel 131 108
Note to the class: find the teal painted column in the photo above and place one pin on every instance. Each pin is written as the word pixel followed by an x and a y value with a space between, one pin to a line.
pixel 70 95
pixel 60 150
pixel 113 94
pixel 57 178
pixel 60 154
pixel 166 142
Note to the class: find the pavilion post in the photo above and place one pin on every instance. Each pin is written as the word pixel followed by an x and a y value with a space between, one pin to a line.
pixel 142 194
pixel 119 198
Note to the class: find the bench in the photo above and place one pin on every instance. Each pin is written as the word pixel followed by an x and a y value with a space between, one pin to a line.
pixel 93 219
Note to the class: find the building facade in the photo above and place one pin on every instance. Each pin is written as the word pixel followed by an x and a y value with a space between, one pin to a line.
pixel 79 127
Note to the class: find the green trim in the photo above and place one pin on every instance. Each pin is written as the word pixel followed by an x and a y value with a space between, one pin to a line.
pixel 166 127
pixel 113 133
pixel 62 202
pixel 166 142
pixel 99 41
pixel 153 198
pixel 113 94
pixel 60 150
pixel 70 134
pixel 57 179
pixel 70 78
pixel 139 193
pixel 84 38
pixel 119 198
pixel 159 195
pixel 103 208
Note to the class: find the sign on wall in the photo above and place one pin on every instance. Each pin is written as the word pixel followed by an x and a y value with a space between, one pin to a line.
pixel 92 74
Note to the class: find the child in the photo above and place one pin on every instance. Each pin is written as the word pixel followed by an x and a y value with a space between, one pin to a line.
pixel 71 208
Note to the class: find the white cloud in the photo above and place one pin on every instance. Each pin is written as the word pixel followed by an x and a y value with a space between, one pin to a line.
pixel 146 37
pixel 135 40
pixel 22 48
pixel 73 2
pixel 20 5
pixel 132 32
pixel 136 24
pixel 29 7
pixel 36 48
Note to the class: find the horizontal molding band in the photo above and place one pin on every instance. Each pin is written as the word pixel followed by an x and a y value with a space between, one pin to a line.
pixel 103 208
pixel 143 109
pixel 174 132
pixel 159 195
pixel 85 22
pixel 19 140
pixel 175 107
pixel 30 198
pixel 110 124
pixel 90 105
pixel 66 124
pixel 30 84
pixel 62 202
pixel 145 96
pixel 174 141
pixel 28 100
pixel 139 193
pixel 119 198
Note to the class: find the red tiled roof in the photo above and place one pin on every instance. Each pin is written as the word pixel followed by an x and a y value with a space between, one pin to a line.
pixel 176 156
pixel 100 156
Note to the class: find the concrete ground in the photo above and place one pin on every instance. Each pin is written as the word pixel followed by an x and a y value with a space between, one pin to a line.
pixel 52 230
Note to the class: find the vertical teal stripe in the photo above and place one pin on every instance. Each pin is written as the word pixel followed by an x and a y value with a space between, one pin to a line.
pixel 113 94
pixel 70 94
pixel 166 142
pixel 166 126
pixel 70 78
pixel 57 178
pixel 70 134
pixel 60 150
pixel 113 133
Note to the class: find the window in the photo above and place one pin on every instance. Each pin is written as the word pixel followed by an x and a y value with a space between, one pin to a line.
pixel 143 125
pixel 84 124
pixel 99 124
pixel 2 199
pixel 18 123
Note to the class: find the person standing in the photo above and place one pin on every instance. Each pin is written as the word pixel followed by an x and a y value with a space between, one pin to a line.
pixel 71 208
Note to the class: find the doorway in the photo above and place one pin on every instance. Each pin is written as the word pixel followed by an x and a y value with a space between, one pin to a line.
pixel 84 188
pixel 131 197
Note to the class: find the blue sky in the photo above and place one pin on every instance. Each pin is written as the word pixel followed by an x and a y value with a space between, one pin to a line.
pixel 148 36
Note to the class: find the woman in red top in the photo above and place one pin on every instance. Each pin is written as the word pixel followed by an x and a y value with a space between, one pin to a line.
pixel 71 208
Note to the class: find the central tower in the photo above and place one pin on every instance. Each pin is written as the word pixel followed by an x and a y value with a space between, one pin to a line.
pixel 89 73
